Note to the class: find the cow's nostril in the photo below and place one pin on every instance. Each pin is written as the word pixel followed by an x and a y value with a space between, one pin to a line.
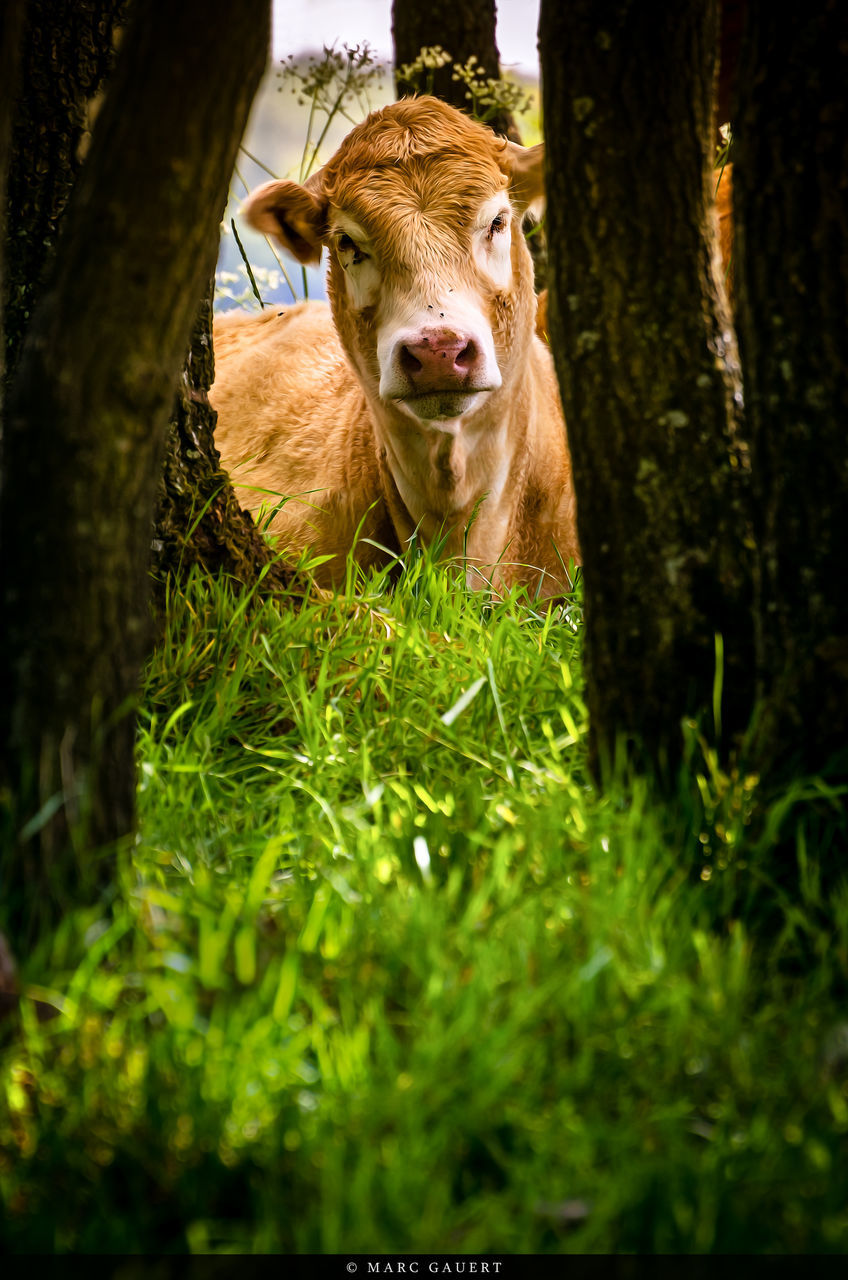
pixel 408 362
pixel 466 357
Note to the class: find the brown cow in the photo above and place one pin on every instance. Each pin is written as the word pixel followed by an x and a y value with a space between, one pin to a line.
pixel 724 210
pixel 425 401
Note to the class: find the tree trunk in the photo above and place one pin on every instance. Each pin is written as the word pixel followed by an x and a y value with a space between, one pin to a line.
pixel 730 39
pixel 68 53
pixel 65 56
pixel 791 217
pixel 11 42
pixel 463 30
pixel 646 360
pixel 84 432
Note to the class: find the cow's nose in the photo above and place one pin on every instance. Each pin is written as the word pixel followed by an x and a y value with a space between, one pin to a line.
pixel 439 361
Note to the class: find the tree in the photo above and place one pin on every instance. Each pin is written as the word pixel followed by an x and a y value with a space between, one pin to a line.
pixel 731 15
pixel 68 52
pixel 462 30
pixel 11 28
pixel 790 146
pixel 85 418
pixel 647 365
pixel 64 52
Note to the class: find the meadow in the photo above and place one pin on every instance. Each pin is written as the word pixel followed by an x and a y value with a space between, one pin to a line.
pixel 385 970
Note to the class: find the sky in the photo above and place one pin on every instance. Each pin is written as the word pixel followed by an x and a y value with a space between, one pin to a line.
pixel 310 24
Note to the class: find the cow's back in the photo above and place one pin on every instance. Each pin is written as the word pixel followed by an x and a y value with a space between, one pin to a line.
pixel 288 405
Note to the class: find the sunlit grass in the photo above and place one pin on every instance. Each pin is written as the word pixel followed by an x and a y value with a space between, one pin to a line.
pixel 384 971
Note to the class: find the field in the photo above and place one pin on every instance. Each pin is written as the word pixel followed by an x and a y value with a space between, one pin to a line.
pixel 385 971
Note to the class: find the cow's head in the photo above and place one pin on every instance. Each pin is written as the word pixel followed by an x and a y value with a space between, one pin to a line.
pixel 430 283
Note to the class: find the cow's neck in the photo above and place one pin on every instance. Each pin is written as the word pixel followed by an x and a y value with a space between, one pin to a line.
pixel 439 479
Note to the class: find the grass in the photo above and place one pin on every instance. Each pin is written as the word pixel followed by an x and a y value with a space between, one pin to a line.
pixel 384 971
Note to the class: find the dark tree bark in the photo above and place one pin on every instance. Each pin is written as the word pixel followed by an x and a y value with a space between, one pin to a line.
pixel 730 38
pixel 68 52
pixel 11 40
pixel 462 30
pixel 791 216
pixel 84 431
pixel 646 360
pixel 65 55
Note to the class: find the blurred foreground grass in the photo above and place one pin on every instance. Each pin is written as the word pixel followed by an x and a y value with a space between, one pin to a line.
pixel 384 971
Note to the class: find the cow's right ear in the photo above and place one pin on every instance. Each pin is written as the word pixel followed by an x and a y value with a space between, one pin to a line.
pixel 294 215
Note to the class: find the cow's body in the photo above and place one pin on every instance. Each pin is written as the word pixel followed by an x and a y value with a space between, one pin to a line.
pixel 293 420
pixel 425 401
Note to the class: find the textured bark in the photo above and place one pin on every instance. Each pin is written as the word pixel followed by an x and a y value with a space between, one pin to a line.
pixel 462 29
pixel 66 54
pixel 199 522
pixel 791 216
pixel 646 360
pixel 730 39
pixel 11 49
pixel 85 426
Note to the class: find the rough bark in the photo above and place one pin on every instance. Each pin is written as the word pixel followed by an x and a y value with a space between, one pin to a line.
pixel 11 42
pixel 730 39
pixel 85 426
pixel 646 361
pixel 461 30
pixel 791 217
pixel 66 54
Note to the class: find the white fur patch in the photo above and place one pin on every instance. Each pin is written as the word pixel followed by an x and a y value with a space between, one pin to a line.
pixel 355 253
pixel 491 241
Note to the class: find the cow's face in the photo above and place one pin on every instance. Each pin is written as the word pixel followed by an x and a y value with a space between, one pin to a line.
pixel 431 283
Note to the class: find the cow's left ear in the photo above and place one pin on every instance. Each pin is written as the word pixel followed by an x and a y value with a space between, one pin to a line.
pixel 526 168
pixel 295 215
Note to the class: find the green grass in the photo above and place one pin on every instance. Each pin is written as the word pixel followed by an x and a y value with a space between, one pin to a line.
pixel 384 971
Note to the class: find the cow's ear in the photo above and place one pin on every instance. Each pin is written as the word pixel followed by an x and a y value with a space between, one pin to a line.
pixel 526 168
pixel 295 216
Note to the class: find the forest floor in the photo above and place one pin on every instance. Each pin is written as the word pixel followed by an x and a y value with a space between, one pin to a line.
pixel 385 971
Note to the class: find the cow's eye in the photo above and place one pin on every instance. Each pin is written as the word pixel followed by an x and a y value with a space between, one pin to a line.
pixel 347 246
pixel 497 225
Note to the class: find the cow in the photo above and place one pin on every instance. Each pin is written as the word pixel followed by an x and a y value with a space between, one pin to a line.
pixel 724 212
pixel 421 402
